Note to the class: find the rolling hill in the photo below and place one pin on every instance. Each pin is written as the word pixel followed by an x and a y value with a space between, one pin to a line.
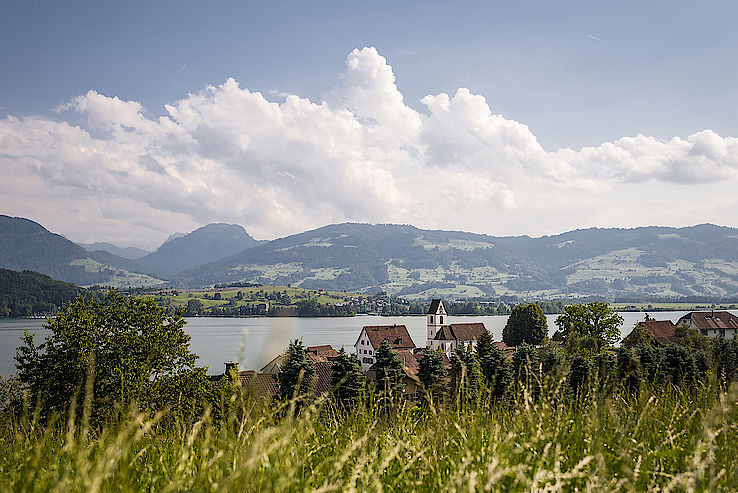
pixel 641 262
pixel 26 245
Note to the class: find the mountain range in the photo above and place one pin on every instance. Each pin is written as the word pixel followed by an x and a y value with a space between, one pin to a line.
pixel 401 259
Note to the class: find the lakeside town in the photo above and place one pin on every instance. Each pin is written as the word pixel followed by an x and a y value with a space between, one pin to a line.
pixel 446 338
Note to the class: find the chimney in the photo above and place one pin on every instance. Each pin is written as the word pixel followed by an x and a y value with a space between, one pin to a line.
pixel 230 365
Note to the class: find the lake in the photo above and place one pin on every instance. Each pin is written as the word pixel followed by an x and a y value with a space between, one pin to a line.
pixel 255 341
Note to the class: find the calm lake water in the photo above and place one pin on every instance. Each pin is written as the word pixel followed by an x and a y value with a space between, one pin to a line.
pixel 255 341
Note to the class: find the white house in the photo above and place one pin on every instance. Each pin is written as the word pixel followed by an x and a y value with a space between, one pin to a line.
pixel 712 324
pixel 371 337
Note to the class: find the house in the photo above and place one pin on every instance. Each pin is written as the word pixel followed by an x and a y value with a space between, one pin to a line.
pixel 712 324
pixel 319 354
pixel 453 336
pixel 265 384
pixel 410 380
pixel 662 331
pixel 371 337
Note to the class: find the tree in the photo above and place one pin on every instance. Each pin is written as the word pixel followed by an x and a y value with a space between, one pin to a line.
pixel 464 374
pixel 128 346
pixel 347 379
pixel 639 335
pixel 388 369
pixel 526 323
pixel 295 377
pixel 484 345
pixel 525 363
pixel 194 307
pixel 431 371
pixel 579 376
pixel 497 372
pixel 592 320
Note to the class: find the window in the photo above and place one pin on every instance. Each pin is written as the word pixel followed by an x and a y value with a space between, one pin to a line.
pixel 440 319
pixel 362 342
pixel 370 352
pixel 431 318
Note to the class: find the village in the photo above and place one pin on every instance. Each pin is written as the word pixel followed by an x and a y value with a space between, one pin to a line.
pixel 446 337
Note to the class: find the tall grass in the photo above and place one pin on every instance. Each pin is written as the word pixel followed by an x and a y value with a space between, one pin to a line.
pixel 662 439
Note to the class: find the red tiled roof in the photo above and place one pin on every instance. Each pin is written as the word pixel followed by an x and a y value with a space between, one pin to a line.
pixel 321 353
pixel 711 320
pixel 661 330
pixel 397 335
pixel 460 332
pixel 323 373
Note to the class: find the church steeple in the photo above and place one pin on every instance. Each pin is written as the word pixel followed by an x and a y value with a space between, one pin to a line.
pixel 436 317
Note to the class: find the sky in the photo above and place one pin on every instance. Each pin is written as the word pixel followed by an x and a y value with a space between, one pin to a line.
pixel 128 122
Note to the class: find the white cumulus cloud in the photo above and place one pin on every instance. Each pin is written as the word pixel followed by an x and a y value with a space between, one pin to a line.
pixel 227 153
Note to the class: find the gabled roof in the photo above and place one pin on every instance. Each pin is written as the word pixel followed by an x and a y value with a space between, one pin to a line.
pixel 661 330
pixel 261 384
pixel 711 320
pixel 460 332
pixel 315 353
pixel 397 335
pixel 321 353
pixel 436 303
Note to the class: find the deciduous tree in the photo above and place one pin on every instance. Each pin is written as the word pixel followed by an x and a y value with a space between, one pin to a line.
pixel 526 323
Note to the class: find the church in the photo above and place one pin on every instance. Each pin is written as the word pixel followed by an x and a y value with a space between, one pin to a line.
pixel 449 337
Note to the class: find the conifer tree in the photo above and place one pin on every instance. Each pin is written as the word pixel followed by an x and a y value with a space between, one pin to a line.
pixel 432 373
pixel 484 345
pixel 465 374
pixel 497 371
pixel 347 379
pixel 388 369
pixel 296 377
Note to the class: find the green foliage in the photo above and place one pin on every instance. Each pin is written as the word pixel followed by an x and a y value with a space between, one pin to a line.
pixel 579 376
pixel 124 348
pixel 725 354
pixel 639 336
pixel 389 372
pixel 28 293
pixel 526 365
pixel 432 372
pixel 484 345
pixel 465 374
pixel 347 379
pixel 592 320
pixel 297 375
pixel 526 323
pixel 498 374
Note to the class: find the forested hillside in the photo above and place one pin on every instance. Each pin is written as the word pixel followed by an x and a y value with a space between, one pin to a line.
pixel 30 293
pixel 26 245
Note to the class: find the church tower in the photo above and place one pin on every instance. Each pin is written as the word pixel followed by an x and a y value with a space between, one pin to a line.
pixel 436 318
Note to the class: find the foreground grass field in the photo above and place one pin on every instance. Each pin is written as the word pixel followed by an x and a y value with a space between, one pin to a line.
pixel 665 440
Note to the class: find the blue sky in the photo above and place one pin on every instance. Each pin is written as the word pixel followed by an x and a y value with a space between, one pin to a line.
pixel 575 73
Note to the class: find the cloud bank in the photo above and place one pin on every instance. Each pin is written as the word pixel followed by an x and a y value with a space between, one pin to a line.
pixel 103 168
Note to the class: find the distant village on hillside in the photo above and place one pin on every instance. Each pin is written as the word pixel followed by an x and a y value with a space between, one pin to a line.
pixel 447 337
